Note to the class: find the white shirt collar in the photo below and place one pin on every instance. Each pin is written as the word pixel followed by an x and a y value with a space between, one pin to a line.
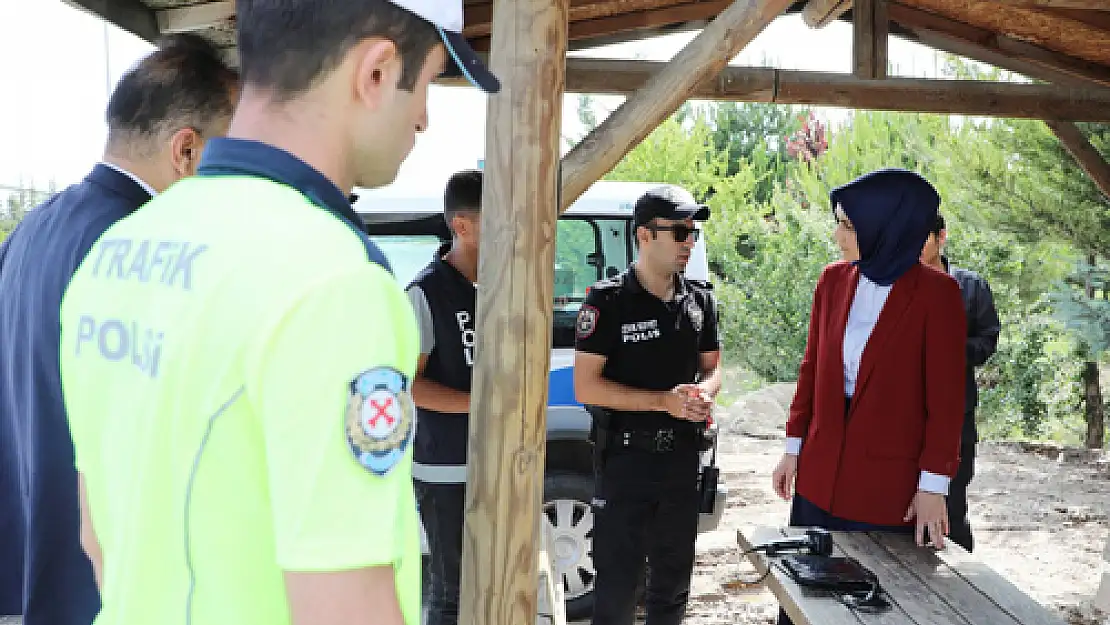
pixel 139 181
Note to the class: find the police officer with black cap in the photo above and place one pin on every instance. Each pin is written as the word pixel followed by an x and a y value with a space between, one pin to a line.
pixel 647 365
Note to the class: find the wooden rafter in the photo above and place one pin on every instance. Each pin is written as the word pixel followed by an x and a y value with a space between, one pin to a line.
pixel 759 84
pixel 944 33
pixel 477 16
pixel 1090 5
pixel 663 92
pixel 1085 154
pixel 130 15
pixel 820 13
pixel 508 407
pixel 639 20
pixel 870 26
pixel 195 18
pixel 946 42
pixel 1045 28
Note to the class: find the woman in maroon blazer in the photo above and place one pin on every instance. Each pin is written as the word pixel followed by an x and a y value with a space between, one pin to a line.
pixel 873 435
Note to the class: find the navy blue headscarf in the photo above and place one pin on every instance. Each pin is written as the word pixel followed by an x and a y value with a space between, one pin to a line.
pixel 893 211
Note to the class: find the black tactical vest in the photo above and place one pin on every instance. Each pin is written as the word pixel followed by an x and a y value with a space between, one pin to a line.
pixel 441 438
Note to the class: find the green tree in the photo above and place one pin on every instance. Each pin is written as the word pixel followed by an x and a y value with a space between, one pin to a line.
pixel 1034 190
pixel 754 134
pixel 20 200
pixel 677 152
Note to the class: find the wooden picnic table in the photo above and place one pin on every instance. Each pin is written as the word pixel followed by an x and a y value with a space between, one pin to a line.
pixel 925 586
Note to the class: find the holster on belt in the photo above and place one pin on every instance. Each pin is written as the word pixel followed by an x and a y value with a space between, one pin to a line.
pixel 707 482
pixel 600 433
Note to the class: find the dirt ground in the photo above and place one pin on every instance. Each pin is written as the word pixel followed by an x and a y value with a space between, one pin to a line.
pixel 1040 515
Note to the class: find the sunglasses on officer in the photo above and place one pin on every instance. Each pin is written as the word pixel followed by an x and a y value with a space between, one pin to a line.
pixel 680 232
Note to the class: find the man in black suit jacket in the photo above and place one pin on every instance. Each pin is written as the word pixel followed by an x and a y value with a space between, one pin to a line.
pixel 159 117
pixel 983 328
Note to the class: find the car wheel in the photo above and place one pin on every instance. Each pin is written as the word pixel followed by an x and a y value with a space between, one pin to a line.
pixel 566 507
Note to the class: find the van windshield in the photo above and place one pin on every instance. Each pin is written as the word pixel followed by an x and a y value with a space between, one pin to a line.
pixel 407 253
pixel 586 250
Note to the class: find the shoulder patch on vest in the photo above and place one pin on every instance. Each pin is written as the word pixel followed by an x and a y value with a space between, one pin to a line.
pixel 695 313
pixel 380 419
pixel 587 321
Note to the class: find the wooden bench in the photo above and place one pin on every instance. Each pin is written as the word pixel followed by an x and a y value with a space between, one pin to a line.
pixel 924 586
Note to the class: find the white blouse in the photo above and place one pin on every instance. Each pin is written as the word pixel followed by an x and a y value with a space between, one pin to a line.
pixel 866 306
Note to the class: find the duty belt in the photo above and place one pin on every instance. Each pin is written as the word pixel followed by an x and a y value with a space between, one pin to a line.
pixel 659 441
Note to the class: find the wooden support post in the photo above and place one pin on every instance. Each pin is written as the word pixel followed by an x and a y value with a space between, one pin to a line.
pixel 819 13
pixel 661 96
pixel 508 408
pixel 1084 153
pixel 870 26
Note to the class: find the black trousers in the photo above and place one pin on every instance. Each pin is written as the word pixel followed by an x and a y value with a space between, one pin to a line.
pixel 441 510
pixel 645 507
pixel 805 513
pixel 959 530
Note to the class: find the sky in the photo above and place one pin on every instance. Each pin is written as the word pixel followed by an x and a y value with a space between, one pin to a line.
pixel 59 65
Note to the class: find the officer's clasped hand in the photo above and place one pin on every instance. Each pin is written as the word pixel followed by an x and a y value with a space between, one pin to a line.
pixel 696 403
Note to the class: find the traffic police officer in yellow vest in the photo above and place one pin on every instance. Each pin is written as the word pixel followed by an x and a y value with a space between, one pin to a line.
pixel 237 357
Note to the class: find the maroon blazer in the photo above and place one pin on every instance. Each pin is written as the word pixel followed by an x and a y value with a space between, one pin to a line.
pixel 907 409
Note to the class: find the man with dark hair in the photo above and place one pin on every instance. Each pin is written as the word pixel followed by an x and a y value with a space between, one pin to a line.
pixel 248 311
pixel 463 195
pixel 443 295
pixel 983 328
pixel 647 364
pixel 159 116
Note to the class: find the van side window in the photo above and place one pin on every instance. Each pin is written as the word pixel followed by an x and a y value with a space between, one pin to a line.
pixel 578 251
pixel 576 242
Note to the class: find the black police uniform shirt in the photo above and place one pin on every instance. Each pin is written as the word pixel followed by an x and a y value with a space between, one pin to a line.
pixel 444 301
pixel 649 343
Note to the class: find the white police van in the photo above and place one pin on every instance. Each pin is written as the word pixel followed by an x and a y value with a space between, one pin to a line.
pixel 594 239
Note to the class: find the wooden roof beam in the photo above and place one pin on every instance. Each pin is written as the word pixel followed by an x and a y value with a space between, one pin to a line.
pixel 1090 5
pixel 660 95
pixel 998 50
pixel 1085 154
pixel 759 84
pixel 946 42
pixel 477 17
pixel 820 13
pixel 677 14
pixel 639 20
pixel 130 15
pixel 195 18
pixel 870 34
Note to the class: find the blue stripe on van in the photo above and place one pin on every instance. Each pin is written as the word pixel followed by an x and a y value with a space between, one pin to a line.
pixel 560 389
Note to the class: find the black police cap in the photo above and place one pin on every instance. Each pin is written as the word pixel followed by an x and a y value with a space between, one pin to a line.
pixel 668 202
